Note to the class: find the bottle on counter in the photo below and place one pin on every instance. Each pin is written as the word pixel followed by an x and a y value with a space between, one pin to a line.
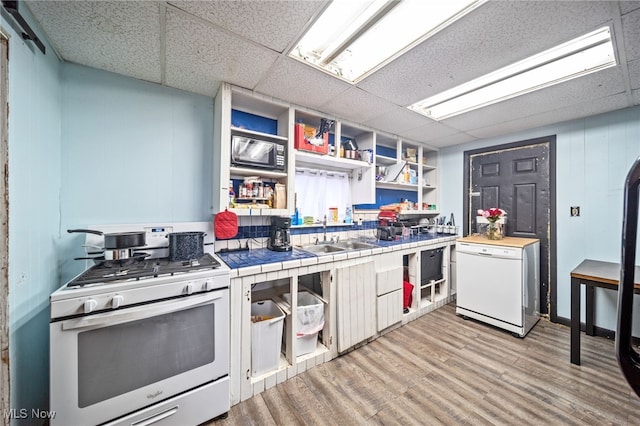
pixel 232 195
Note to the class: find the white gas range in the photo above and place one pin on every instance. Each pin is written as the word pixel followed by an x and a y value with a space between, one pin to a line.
pixel 144 341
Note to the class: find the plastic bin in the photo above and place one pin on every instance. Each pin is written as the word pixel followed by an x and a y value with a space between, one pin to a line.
pixel 309 321
pixel 304 140
pixel 267 321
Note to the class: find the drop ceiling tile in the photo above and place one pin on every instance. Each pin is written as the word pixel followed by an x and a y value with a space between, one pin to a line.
pixel 494 35
pixel 398 119
pixel 203 38
pixel 429 132
pixel 273 24
pixel 200 56
pixel 454 139
pixel 589 88
pixel 357 105
pixel 551 116
pixel 117 36
pixel 300 84
pixel 628 6
pixel 634 73
pixel 631 34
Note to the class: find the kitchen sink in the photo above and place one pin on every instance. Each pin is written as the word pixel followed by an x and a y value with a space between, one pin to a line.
pixel 336 247
pixel 322 248
pixel 353 245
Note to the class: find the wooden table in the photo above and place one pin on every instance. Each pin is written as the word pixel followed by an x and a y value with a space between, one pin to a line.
pixel 591 273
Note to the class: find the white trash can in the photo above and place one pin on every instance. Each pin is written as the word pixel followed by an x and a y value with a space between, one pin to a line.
pixel 267 321
pixel 309 321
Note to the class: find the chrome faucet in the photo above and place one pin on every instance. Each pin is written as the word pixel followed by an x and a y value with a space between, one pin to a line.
pixel 324 231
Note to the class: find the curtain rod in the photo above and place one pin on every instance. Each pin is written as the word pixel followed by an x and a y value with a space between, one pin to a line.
pixel 28 34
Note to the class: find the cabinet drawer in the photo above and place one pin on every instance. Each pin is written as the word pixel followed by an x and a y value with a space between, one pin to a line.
pixel 389 309
pixel 388 281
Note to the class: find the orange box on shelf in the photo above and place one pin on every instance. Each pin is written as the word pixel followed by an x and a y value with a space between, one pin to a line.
pixel 305 139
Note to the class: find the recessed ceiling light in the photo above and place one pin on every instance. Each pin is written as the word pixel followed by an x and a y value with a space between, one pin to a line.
pixel 581 56
pixel 353 38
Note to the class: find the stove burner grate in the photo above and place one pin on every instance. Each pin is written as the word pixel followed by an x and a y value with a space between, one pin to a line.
pixel 149 268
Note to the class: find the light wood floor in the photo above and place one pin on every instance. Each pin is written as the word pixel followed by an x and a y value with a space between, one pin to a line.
pixel 442 369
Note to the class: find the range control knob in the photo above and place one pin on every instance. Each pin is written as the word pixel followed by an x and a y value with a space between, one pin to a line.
pixel 116 302
pixel 90 305
pixel 188 289
pixel 206 285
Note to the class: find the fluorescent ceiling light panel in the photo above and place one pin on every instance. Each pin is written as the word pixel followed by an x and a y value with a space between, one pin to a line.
pixel 353 38
pixel 581 56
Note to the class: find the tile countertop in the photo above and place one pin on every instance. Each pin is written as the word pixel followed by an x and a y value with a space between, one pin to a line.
pixel 264 260
pixel 260 256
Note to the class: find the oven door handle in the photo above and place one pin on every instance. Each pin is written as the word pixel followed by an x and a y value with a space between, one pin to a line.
pixel 140 312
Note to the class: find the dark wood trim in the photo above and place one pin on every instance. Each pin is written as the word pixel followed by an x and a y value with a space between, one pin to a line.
pixel 551 140
pixel 553 241
pixel 597 331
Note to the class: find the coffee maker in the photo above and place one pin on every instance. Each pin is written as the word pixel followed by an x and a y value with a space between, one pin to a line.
pixel 280 234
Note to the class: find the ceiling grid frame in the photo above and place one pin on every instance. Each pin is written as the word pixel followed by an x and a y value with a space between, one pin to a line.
pixel 498 32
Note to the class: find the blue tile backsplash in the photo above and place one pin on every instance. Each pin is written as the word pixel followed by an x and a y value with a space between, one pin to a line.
pixel 262 231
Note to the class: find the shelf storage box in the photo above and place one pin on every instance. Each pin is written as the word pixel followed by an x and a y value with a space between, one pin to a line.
pixel 309 321
pixel 267 321
pixel 305 139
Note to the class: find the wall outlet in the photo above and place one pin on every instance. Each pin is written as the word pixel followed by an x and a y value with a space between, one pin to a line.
pixel 575 211
pixel 360 221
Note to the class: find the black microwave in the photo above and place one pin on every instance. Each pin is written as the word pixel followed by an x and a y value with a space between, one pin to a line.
pixel 270 155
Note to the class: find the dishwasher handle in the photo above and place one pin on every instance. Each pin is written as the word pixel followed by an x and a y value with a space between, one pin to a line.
pixel 508 254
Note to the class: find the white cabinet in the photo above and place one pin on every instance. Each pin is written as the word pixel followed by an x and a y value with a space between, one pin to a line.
pixel 389 292
pixel 362 296
pixel 356 303
pixel 274 120
pixel 420 176
pixel 277 116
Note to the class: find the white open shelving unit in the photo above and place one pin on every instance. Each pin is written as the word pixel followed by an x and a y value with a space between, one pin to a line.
pixel 424 167
pixel 362 173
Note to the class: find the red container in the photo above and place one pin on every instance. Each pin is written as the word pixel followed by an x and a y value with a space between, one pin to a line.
pixel 407 289
pixel 304 140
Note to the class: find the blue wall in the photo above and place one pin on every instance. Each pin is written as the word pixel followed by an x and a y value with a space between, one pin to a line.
pixel 34 214
pixel 593 157
pixel 87 147
pixel 132 152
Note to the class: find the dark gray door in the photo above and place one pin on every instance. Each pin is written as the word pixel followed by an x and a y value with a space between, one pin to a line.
pixel 517 179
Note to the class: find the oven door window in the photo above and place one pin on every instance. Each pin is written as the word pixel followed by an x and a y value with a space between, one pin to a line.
pixel 117 359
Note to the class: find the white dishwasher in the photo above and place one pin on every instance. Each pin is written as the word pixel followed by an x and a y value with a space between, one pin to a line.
pixel 498 282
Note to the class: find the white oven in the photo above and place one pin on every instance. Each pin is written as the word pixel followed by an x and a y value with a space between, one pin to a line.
pixel 141 351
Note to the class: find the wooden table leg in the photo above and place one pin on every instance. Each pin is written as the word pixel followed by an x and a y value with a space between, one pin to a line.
pixel 575 321
pixel 590 309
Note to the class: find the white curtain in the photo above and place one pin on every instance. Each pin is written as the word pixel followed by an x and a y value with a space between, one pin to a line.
pixel 319 190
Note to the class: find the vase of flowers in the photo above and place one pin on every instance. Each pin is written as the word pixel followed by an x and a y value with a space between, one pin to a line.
pixel 495 227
